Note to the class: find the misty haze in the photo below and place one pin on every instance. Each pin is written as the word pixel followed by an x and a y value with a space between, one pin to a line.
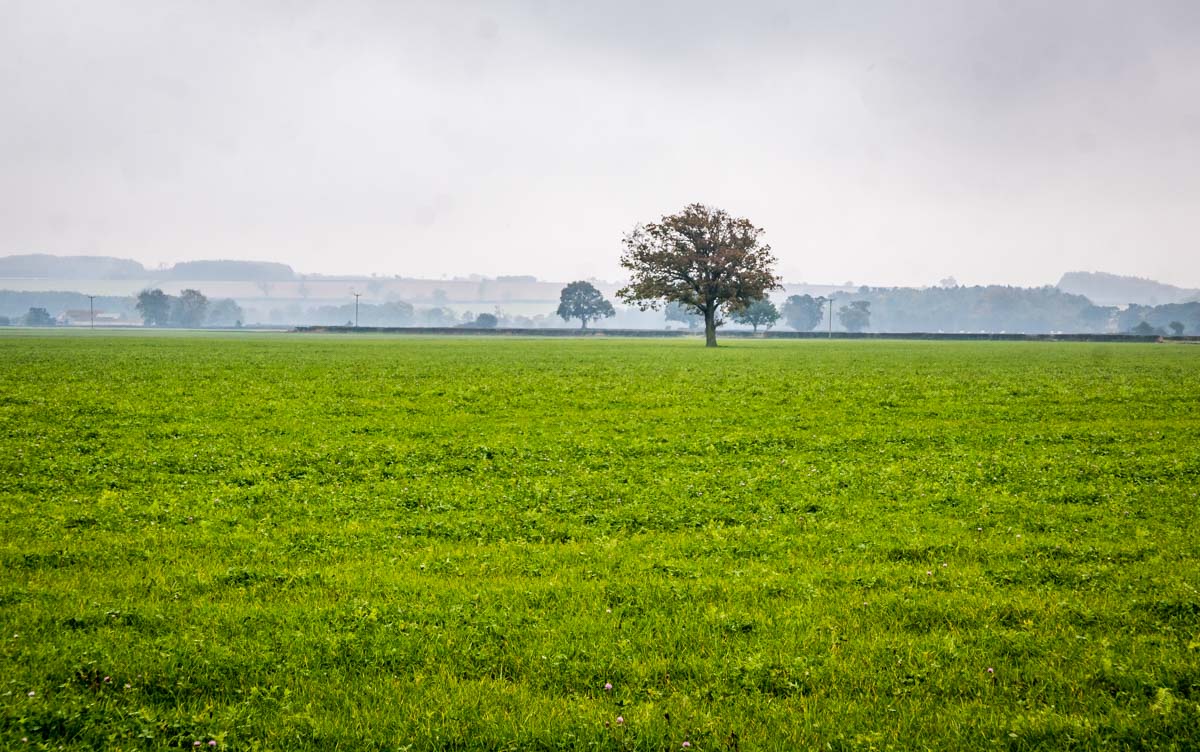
pixel 627 376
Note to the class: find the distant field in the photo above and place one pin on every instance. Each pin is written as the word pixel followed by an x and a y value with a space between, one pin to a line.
pixel 308 542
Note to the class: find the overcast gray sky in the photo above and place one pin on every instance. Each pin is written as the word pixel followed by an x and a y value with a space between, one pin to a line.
pixel 885 143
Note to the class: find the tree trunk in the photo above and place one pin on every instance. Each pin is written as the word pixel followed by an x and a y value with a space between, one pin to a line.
pixel 584 320
pixel 710 327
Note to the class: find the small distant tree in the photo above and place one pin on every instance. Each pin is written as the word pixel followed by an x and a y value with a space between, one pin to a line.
pixel 225 312
pixel 701 258
pixel 1145 329
pixel 1176 328
pixel 485 321
pixel 760 312
pixel 856 316
pixel 189 308
pixel 38 317
pixel 682 314
pixel 581 300
pixel 803 312
pixel 395 313
pixel 438 317
pixel 154 306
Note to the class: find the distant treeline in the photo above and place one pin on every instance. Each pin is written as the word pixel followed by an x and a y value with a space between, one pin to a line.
pixel 50 308
pixel 996 308
pixel 189 309
pixel 16 303
pixel 399 313
pixel 991 309
pixel 1161 319
pixel 395 313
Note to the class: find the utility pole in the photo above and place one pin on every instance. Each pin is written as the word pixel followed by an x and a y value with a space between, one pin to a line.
pixel 91 311
pixel 822 300
pixel 356 296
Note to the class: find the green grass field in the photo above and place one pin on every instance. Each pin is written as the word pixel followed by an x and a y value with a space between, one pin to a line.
pixel 305 542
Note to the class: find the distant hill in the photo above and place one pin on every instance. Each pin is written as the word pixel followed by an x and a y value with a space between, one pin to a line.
pixel 229 271
pixel 43 265
pixel 1115 290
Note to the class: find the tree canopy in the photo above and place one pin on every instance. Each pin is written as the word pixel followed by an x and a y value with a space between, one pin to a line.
pixel 581 300
pixel 803 312
pixel 856 316
pixel 154 306
pixel 38 317
pixel 189 309
pixel 701 258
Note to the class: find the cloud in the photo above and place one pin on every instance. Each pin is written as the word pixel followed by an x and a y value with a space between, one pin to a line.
pixel 885 142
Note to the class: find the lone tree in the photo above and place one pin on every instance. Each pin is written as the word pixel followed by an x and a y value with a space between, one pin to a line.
pixel 803 312
pixel 154 307
pixel 856 316
pixel 701 258
pixel 581 300
pixel 759 313
pixel 1176 328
